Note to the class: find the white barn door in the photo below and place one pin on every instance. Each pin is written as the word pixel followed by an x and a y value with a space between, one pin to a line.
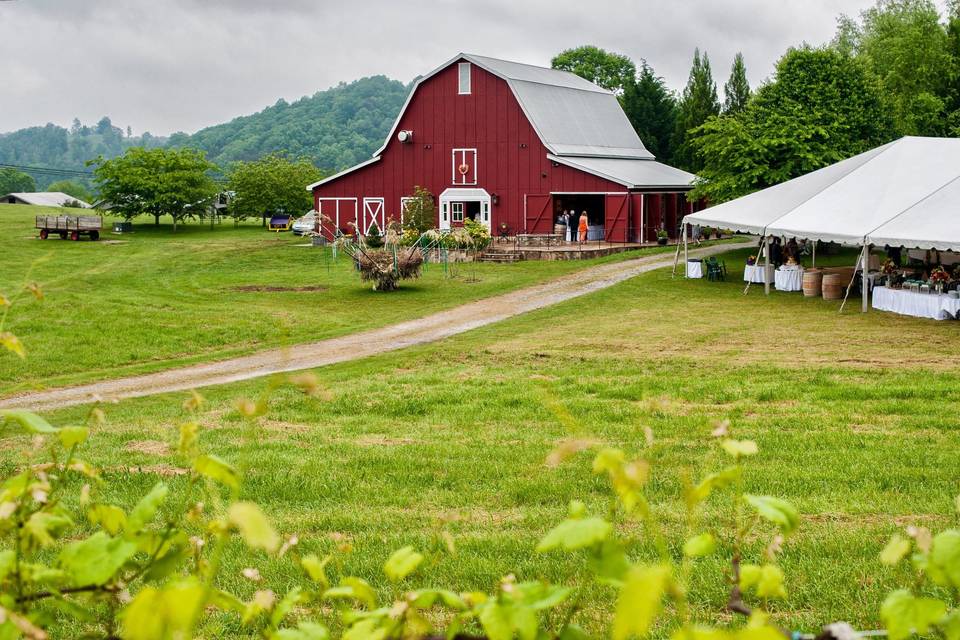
pixel 373 213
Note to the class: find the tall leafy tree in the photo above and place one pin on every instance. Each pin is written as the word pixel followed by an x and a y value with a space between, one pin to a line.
pixel 15 181
pixel 905 44
pixel 272 184
pixel 156 182
pixel 821 107
pixel 611 71
pixel 953 46
pixel 736 91
pixel 652 110
pixel 697 105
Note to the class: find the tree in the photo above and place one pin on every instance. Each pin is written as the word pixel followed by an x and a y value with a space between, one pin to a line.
pixel 736 91
pixel 14 181
pixel 420 212
pixel 174 182
pixel 272 184
pixel 652 110
pixel 821 107
pixel 611 71
pixel 698 103
pixel 904 43
pixel 71 188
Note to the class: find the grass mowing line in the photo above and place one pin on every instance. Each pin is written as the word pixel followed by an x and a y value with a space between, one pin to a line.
pixel 452 436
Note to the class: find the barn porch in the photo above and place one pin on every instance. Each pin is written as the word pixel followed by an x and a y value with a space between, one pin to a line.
pixel 509 250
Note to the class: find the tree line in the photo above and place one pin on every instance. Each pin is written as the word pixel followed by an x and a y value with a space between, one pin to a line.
pixel 892 71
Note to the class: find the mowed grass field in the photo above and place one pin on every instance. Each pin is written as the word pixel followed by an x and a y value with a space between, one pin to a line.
pixel 857 418
pixel 154 299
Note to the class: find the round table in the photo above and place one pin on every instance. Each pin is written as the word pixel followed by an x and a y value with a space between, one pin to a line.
pixel 788 278
pixel 754 273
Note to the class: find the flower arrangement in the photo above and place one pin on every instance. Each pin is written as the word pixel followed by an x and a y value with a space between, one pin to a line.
pixel 888 267
pixel 939 276
pixel 751 261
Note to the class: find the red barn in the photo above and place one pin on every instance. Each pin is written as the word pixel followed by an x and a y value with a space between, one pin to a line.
pixel 511 144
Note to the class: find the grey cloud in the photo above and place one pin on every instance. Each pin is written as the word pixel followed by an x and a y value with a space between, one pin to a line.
pixel 168 65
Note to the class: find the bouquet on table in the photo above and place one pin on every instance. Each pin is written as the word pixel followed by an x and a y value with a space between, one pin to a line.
pixel 888 267
pixel 939 277
pixel 751 261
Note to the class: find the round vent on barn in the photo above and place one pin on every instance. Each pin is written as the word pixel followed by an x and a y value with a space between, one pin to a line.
pixel 405 136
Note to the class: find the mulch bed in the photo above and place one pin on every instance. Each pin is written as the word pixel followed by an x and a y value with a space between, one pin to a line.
pixel 274 289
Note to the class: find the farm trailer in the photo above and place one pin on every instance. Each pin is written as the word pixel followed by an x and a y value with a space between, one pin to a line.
pixel 70 226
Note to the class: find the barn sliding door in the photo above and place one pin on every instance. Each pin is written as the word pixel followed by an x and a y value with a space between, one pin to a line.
pixel 537 216
pixel 616 216
pixel 373 215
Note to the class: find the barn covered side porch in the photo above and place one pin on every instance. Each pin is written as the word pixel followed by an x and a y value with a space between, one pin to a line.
pixel 625 217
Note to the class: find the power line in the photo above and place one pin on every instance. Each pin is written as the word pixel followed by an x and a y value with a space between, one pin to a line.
pixel 51 171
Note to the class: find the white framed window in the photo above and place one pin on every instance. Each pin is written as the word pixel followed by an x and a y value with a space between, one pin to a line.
pixel 464 167
pixel 456 211
pixel 464 70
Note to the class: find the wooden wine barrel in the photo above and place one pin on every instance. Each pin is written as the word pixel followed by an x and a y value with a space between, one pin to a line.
pixel 833 286
pixel 812 281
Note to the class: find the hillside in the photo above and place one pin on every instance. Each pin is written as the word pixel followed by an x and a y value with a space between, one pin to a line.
pixel 336 128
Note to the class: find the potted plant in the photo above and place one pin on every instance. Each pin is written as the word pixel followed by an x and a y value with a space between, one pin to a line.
pixel 662 236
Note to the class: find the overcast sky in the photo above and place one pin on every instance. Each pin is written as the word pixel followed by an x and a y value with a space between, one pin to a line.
pixel 169 65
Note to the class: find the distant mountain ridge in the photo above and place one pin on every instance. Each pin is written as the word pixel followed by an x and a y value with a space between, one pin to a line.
pixel 335 128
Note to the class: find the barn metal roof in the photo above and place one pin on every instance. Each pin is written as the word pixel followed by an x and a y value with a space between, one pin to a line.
pixel 46 198
pixel 631 172
pixel 571 115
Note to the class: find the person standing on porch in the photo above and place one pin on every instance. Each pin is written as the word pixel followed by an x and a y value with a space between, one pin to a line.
pixel 572 225
pixel 584 226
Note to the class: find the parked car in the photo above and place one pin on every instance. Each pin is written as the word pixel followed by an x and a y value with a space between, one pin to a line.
pixel 306 224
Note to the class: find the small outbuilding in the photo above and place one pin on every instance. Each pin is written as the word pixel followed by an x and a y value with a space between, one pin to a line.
pixel 43 199
pixel 511 146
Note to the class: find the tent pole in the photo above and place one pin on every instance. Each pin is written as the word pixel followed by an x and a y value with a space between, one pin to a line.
pixel 766 267
pixel 676 259
pixel 686 255
pixel 861 262
pixel 866 281
pixel 762 247
pixel 814 254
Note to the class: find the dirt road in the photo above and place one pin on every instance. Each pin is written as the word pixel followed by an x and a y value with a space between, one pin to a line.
pixel 358 345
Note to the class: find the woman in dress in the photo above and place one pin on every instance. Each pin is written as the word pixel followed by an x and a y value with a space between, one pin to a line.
pixel 584 225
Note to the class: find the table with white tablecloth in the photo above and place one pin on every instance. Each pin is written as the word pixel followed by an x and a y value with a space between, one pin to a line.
pixel 755 273
pixel 920 305
pixel 788 278
pixel 694 268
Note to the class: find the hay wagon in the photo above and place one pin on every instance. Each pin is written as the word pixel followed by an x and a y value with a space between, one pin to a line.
pixel 72 227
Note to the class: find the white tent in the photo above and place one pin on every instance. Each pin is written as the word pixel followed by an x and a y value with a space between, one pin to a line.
pixel 932 223
pixel 904 193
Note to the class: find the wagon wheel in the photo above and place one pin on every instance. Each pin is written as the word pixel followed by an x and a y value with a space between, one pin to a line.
pixel 74 235
pixel 94 235
pixel 43 234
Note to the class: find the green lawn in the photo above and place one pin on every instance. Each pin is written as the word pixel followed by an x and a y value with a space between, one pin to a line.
pixel 154 299
pixel 856 417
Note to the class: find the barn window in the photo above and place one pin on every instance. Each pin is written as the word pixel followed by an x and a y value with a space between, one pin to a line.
pixel 456 211
pixel 464 78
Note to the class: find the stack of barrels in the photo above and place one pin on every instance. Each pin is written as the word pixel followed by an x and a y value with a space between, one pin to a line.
pixel 831 283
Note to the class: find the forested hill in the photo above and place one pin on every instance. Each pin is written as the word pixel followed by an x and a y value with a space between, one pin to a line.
pixel 336 128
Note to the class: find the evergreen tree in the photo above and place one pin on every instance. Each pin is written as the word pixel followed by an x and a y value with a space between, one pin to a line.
pixel 697 105
pixel 737 89
pixel 652 110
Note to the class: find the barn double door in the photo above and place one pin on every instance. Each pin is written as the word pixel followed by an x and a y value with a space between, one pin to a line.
pixel 538 213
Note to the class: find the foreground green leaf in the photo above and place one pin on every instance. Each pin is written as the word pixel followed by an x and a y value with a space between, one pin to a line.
pixel 904 614
pixel 779 512
pixel 96 560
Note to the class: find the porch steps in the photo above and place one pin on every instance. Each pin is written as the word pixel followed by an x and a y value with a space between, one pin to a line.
pixel 500 256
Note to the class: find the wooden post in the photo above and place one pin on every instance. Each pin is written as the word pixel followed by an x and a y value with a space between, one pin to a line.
pixel 814 254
